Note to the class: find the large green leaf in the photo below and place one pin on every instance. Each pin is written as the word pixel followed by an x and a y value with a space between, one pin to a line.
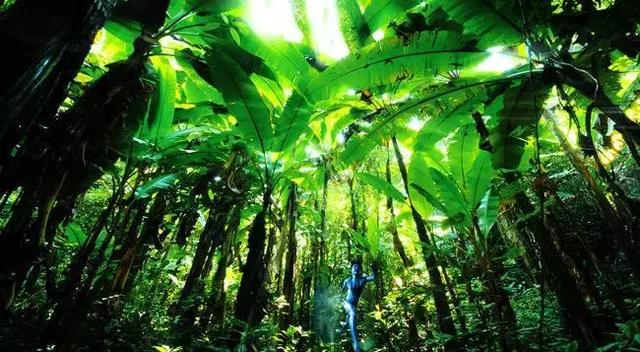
pixel 211 5
pixel 157 184
pixel 359 146
pixel 120 35
pixel 478 178
pixel 353 26
pixel 488 212
pixel 442 124
pixel 381 185
pixel 456 208
pixel 461 154
pixel 249 62
pixel 492 22
pixel 314 180
pixel 160 117
pixel 389 61
pixel 420 176
pixel 430 197
pixel 373 234
pixel 285 58
pixel 381 12
pixel 75 234
pixel 242 98
pixel 516 121
pixel 292 123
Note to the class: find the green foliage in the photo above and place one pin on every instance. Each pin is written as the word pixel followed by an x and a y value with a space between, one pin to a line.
pixel 157 184
pixel 490 22
pixel 75 234
pixel 388 62
pixel 373 235
pixel 159 120
pixel 520 111
pixel 627 339
pixel 380 13
pixel 381 185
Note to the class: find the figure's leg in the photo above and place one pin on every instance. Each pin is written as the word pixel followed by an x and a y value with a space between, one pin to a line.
pixel 346 319
pixel 353 328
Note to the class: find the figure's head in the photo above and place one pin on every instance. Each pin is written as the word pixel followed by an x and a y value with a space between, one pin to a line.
pixel 356 268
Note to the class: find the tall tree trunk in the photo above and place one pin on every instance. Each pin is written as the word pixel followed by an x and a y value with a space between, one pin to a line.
pixel 321 307
pixel 306 280
pixel 625 241
pixel 488 254
pixel 215 309
pixel 68 330
pixel 288 284
pixel 125 251
pixel 149 236
pixel 462 321
pixel 576 316
pixel 77 149
pixel 443 311
pixel 397 243
pixel 410 317
pixel 49 42
pixel 251 297
pixel 23 240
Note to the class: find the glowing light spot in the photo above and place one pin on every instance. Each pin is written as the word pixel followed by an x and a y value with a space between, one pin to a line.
pixel 378 35
pixel 325 29
pixel 415 123
pixel 273 18
pixel 312 152
pixel 500 62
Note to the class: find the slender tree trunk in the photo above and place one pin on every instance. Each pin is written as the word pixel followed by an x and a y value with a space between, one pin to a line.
pixel 23 240
pixel 397 243
pixel 50 41
pixel 86 146
pixel 199 259
pixel 125 250
pixel 69 329
pixel 445 322
pixel 613 292
pixel 251 297
pixel 406 262
pixel 306 280
pixel 472 296
pixel 288 285
pixel 576 316
pixel 149 236
pixel 321 306
pixel 609 214
pixel 462 321
pixel 79 263
pixel 488 258
pixel 277 262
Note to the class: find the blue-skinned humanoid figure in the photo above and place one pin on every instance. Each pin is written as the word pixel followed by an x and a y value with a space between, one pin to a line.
pixel 354 286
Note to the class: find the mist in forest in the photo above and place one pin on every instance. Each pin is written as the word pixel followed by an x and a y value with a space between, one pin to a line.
pixel 328 313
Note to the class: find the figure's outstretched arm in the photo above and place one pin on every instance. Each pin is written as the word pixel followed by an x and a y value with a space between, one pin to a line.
pixel 370 278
